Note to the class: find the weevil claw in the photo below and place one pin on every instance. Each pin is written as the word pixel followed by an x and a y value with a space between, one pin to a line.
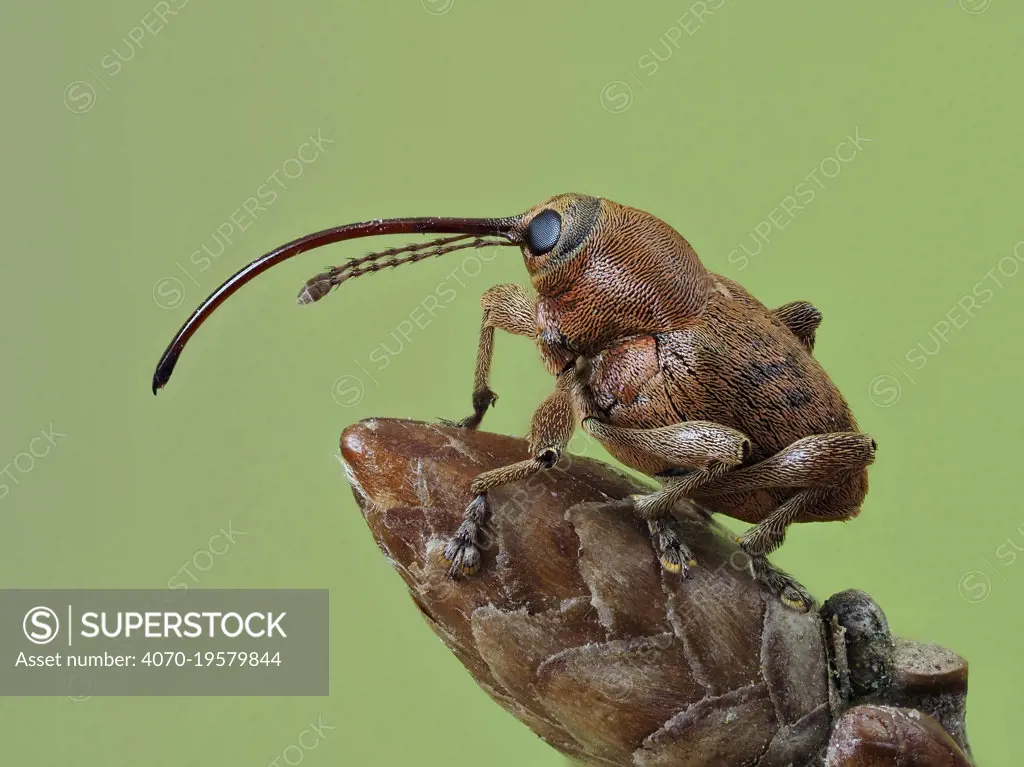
pixel 673 554
pixel 461 557
pixel 672 567
pixel 786 588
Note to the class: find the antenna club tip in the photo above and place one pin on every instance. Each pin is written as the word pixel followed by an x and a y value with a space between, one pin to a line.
pixel 313 291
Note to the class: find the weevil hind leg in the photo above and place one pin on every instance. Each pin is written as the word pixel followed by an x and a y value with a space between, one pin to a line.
pixel 766 536
pixel 828 469
pixel 802 319
pixel 784 586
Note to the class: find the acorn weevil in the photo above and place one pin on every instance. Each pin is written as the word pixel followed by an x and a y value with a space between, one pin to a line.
pixel 678 372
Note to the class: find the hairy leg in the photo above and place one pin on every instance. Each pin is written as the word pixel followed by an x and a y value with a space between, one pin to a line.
pixel 809 462
pixel 698 453
pixel 818 466
pixel 506 307
pixel 551 429
pixel 706 453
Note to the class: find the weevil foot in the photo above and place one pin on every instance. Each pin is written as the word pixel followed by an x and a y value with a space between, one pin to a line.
pixel 785 587
pixel 461 555
pixel 466 423
pixel 482 400
pixel 675 556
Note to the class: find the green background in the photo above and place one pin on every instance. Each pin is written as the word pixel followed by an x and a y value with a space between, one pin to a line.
pixel 481 108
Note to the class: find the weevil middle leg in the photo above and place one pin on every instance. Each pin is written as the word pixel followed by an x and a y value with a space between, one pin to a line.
pixel 818 472
pixel 551 428
pixel 699 451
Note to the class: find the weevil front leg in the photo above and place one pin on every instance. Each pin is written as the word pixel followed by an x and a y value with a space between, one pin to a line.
pixel 697 452
pixel 506 307
pixel 550 431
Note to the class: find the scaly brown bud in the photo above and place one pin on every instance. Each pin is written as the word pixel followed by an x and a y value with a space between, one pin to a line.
pixel 574 627
pixel 882 736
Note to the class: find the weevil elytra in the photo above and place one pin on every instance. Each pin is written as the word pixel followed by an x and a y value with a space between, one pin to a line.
pixel 680 373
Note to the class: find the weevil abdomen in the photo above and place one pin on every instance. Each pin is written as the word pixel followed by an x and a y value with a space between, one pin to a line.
pixel 735 366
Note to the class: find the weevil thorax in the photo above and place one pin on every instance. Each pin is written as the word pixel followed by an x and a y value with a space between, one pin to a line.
pixel 604 271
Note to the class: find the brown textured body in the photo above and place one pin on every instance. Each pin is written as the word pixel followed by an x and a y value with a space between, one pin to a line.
pixel 680 373
pixel 675 343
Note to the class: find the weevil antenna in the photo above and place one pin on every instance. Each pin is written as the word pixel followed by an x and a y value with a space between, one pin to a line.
pixel 319 286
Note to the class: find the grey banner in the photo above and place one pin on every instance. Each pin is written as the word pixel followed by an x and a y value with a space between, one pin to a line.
pixel 82 643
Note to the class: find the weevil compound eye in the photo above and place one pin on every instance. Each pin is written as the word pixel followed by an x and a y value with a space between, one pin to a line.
pixel 543 232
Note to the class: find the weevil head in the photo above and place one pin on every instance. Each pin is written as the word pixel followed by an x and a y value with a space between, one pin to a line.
pixel 574 237
pixel 557 231
pixel 603 270
pixel 572 244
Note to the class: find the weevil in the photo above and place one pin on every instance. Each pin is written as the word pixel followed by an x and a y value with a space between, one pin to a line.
pixel 678 372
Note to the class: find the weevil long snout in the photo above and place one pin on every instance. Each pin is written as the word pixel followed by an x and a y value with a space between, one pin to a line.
pixel 545 232
pixel 468 233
